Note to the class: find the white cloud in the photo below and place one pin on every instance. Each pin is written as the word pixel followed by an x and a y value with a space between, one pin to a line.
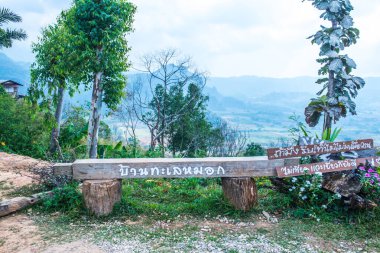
pixel 225 37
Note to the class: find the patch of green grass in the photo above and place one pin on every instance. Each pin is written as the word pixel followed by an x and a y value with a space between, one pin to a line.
pixel 2 242
pixel 26 191
pixel 168 198
pixel 4 185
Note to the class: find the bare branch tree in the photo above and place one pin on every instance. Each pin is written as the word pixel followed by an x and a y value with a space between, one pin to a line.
pixel 163 70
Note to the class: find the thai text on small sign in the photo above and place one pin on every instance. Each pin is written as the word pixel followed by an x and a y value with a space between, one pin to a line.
pixel 302 169
pixel 316 149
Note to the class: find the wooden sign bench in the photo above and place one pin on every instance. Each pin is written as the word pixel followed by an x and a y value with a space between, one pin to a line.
pixel 102 177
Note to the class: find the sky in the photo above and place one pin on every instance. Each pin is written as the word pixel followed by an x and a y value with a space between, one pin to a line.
pixel 224 37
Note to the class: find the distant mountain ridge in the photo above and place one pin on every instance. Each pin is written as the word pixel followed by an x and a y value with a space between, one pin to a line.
pixel 16 71
pixel 261 105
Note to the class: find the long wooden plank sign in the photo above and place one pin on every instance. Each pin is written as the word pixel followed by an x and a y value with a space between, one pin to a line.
pixel 316 149
pixel 302 169
pixel 97 169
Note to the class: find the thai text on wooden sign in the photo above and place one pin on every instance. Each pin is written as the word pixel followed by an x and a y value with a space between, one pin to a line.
pixel 316 149
pixel 302 169
pixel 174 167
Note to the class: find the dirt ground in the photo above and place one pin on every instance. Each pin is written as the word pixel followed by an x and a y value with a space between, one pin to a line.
pixel 18 232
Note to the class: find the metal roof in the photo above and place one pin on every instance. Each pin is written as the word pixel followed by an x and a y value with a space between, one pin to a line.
pixel 10 81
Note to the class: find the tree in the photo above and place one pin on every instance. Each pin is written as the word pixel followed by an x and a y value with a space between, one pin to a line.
pixel 98 29
pixel 188 135
pixel 340 85
pixel 51 73
pixel 254 149
pixel 23 128
pixel 164 72
pixel 7 36
pixel 224 140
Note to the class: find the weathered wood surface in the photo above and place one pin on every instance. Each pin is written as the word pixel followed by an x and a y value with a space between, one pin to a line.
pixel 62 169
pixel 12 205
pixel 348 164
pixel 241 192
pixel 316 149
pixel 100 196
pixel 94 169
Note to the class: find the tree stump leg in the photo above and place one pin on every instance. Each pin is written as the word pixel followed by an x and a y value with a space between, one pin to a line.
pixel 100 196
pixel 241 192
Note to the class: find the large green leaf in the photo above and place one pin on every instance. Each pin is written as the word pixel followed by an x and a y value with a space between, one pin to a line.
pixel 347 21
pixel 336 65
pixel 335 6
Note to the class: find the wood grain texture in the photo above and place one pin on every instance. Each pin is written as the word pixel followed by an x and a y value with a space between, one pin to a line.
pixel 324 167
pixel 97 169
pixel 62 169
pixel 240 192
pixel 316 149
pixel 100 196
pixel 12 205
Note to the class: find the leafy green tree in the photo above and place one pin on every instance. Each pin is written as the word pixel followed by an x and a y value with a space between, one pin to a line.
pixel 51 72
pixel 8 35
pixel 74 131
pixel 254 149
pixel 188 135
pixel 166 72
pixel 98 29
pixel 23 128
pixel 339 85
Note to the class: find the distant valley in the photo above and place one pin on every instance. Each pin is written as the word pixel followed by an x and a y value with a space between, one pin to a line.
pixel 258 105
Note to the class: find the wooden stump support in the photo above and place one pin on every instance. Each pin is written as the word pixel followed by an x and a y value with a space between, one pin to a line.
pixel 100 196
pixel 240 192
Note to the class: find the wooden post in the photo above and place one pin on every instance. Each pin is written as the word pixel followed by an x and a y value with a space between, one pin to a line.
pixel 241 192
pixel 100 196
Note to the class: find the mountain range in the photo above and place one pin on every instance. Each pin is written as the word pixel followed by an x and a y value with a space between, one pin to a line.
pixel 260 106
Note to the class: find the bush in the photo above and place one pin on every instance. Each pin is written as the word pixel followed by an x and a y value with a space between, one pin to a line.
pixel 370 179
pixel 309 197
pixel 254 149
pixel 67 200
pixel 24 129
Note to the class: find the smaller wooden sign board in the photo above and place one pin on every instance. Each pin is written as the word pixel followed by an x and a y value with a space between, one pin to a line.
pixel 316 149
pixel 324 167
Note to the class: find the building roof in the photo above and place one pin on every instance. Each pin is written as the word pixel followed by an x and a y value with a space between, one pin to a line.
pixel 10 82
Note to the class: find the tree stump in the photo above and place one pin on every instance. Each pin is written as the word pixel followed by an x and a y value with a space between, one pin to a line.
pixel 100 196
pixel 241 192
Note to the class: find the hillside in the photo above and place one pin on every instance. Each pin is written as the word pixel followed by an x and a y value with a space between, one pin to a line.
pixel 259 105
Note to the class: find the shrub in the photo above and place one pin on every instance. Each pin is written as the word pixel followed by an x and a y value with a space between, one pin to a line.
pixel 370 179
pixel 67 200
pixel 254 149
pixel 24 129
pixel 309 197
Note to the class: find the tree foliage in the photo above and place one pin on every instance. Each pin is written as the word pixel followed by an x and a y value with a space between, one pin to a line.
pixel 23 128
pixel 159 98
pixel 52 66
pixel 8 35
pixel 339 86
pixel 98 29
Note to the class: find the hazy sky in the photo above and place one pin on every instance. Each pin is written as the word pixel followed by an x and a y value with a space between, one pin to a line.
pixel 224 37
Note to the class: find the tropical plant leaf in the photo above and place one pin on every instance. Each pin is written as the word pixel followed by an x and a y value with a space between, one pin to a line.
pixel 335 6
pixel 336 65
pixel 347 21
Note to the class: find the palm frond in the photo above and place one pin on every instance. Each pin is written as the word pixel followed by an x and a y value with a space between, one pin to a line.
pixel 6 16
pixel 7 36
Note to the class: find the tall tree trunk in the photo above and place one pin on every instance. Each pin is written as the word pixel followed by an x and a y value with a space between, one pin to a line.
pixel 327 124
pixel 94 121
pixel 58 116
